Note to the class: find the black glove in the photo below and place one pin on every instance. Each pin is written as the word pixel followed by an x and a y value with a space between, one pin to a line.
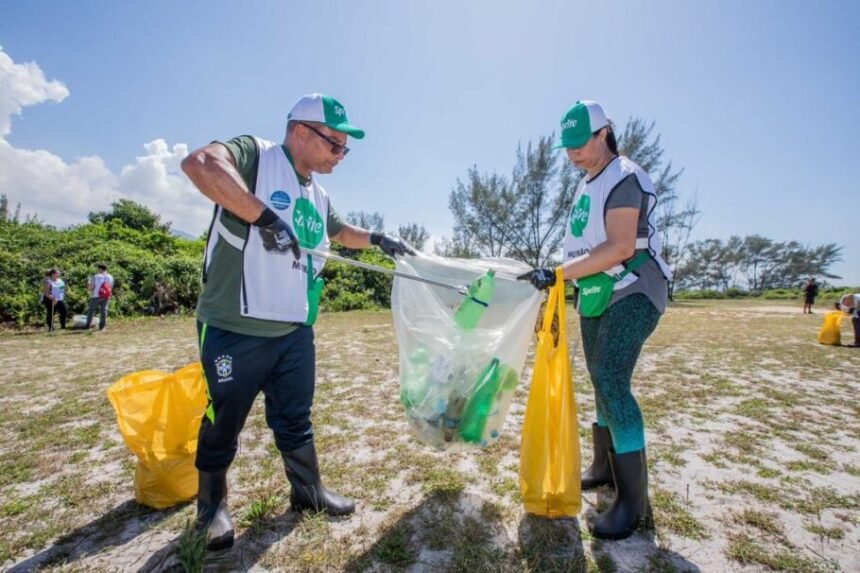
pixel 276 233
pixel 540 278
pixel 389 245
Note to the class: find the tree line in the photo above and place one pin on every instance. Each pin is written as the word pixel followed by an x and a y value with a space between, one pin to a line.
pixel 523 216
pixel 754 263
pixel 155 271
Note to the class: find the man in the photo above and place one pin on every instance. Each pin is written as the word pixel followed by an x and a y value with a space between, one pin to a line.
pixel 100 286
pixel 261 294
pixel 810 291
pixel 850 303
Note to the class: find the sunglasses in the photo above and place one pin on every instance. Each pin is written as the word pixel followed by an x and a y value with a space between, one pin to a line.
pixel 336 147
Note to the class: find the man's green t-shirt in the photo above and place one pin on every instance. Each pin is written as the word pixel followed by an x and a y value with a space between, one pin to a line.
pixel 218 304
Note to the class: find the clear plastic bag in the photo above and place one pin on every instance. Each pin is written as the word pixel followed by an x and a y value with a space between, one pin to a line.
pixel 460 361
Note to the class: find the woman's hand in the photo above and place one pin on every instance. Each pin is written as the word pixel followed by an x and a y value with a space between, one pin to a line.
pixel 541 279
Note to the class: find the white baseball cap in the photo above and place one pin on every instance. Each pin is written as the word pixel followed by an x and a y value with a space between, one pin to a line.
pixel 326 110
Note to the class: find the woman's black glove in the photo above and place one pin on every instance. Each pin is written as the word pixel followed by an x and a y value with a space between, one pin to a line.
pixel 540 278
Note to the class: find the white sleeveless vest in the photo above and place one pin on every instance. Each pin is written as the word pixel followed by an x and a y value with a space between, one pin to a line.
pixel 586 226
pixel 275 285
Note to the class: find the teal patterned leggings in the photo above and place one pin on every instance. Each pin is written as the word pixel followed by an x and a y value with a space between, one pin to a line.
pixel 612 343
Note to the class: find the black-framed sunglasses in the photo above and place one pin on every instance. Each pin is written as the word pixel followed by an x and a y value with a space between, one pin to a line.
pixel 336 148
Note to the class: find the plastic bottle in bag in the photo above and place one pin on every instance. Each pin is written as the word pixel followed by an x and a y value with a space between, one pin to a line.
pixel 479 296
pixel 481 403
pixel 416 383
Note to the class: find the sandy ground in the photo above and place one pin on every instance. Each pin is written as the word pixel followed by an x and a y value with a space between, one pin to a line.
pixel 754 450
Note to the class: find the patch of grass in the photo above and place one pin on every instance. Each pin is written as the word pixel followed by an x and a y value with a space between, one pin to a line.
pixel 87 436
pixel 15 507
pixel 191 548
pixel 16 468
pixel 551 545
pixel 670 454
pixel 810 466
pixel 506 486
pixel 659 562
pixel 813 452
pixel 259 512
pixel 473 549
pixel 747 551
pixel 672 513
pixel 821 498
pixel 832 533
pixel 604 563
pixel 443 481
pixel 394 547
pixel 765 521
pixel 754 408
pixel 716 459
pixel 743 440
pixel 763 493
pixel 768 473
pixel 851 469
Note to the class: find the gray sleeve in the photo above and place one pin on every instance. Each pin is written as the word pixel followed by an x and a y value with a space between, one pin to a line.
pixel 627 193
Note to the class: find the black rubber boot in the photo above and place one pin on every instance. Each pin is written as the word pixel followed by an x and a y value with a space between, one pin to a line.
pixel 213 517
pixel 308 492
pixel 599 473
pixel 631 507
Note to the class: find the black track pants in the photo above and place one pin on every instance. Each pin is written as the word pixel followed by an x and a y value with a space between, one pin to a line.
pixel 237 368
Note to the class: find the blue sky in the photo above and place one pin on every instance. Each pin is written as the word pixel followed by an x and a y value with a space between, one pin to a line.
pixel 757 101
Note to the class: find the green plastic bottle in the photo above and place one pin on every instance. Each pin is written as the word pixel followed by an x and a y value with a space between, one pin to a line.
pixel 478 298
pixel 416 382
pixel 480 405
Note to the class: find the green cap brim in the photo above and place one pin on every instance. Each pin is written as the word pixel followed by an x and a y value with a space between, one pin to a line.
pixel 573 142
pixel 348 129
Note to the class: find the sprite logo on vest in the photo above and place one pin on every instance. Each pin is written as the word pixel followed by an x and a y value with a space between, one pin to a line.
pixel 579 216
pixel 307 223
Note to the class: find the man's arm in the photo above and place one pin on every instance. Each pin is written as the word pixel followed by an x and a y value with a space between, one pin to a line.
pixel 352 237
pixel 213 171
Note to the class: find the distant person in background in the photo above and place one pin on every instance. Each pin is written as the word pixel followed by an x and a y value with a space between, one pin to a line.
pixel 100 286
pixel 810 291
pixel 850 303
pixel 53 295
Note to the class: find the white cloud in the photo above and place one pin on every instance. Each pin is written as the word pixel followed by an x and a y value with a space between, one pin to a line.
pixel 156 180
pixel 22 85
pixel 64 193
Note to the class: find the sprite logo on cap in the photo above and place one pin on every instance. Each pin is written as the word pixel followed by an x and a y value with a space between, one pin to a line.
pixel 579 123
pixel 324 109
pixel 579 216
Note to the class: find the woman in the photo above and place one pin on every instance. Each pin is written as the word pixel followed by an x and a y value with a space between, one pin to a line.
pixel 612 251
pixel 55 292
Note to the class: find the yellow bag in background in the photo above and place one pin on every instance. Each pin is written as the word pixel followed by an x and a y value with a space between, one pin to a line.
pixel 549 454
pixel 159 418
pixel 831 330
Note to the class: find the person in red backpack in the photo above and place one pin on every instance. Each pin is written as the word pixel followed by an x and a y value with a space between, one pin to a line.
pixel 100 286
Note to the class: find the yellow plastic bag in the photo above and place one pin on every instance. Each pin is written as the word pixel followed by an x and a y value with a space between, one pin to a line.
pixel 159 418
pixel 549 454
pixel 831 330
